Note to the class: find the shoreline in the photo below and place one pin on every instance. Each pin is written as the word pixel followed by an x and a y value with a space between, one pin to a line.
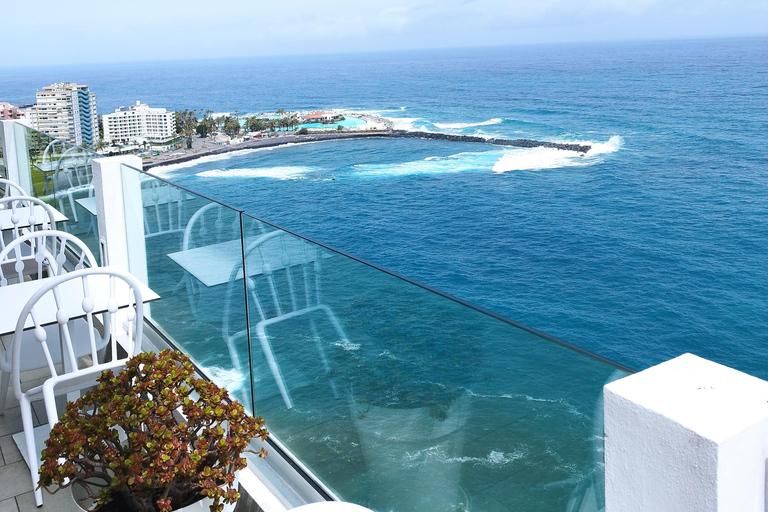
pixel 318 137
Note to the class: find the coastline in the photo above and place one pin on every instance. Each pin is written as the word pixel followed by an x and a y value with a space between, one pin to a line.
pixel 317 137
pixel 261 143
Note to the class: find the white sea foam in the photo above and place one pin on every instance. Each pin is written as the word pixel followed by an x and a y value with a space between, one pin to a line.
pixel 460 162
pixel 459 126
pixel 534 159
pixel 282 173
pixel 516 396
pixel 347 345
pixel 233 380
pixel 408 123
pixel 436 454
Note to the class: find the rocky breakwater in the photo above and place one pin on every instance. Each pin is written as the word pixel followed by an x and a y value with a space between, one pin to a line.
pixel 518 143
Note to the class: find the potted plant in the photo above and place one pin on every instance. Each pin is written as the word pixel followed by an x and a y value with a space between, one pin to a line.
pixel 151 439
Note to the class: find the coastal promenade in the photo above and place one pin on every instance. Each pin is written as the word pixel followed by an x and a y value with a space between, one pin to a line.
pixel 207 149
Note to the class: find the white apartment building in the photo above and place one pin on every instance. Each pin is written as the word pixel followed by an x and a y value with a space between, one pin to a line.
pixel 139 123
pixel 66 111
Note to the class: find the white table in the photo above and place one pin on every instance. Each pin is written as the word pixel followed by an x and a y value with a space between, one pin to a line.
pixel 23 213
pixel 14 297
pixel 213 264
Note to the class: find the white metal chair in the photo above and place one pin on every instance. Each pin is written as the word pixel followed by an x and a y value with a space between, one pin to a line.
pixel 11 189
pixel 72 377
pixel 28 214
pixel 46 256
pixel 283 284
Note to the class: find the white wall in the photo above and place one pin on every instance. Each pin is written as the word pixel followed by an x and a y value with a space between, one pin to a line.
pixel 688 435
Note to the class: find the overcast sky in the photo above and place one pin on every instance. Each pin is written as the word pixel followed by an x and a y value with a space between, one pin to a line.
pixel 43 32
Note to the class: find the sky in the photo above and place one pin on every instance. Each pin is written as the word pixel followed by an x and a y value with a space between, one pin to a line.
pixel 48 32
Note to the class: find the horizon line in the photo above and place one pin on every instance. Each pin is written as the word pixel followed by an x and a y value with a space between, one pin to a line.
pixel 401 50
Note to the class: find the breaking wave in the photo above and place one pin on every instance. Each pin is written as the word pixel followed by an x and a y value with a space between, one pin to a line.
pixel 535 159
pixel 281 173
pixel 459 126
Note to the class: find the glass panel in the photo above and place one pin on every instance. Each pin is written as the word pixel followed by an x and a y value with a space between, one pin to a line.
pixel 401 399
pixel 184 246
pixel 3 172
pixel 61 174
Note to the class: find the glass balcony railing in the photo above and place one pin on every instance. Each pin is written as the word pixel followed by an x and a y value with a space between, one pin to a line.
pixel 3 173
pixel 388 393
pixel 60 173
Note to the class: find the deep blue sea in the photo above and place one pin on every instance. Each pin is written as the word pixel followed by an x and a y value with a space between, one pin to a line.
pixel 654 244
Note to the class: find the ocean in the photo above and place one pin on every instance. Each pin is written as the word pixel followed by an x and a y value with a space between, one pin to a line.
pixel 654 247
pixel 653 244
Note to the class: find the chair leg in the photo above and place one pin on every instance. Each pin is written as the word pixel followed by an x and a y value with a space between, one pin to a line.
pixel 72 205
pixel 323 358
pixel 5 380
pixel 267 349
pixel 32 455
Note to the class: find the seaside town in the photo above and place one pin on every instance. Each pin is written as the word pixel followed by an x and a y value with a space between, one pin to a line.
pixel 68 111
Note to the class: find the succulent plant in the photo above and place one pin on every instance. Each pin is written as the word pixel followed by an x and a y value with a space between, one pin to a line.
pixel 155 435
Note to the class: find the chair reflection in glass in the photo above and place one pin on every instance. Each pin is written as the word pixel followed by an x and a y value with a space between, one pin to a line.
pixel 213 224
pixel 283 284
pixel 164 208
pixel 72 179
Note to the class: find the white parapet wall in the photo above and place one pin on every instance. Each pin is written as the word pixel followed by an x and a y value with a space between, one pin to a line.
pixel 688 435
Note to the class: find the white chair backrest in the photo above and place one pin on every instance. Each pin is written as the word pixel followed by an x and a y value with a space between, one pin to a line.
pixel 82 293
pixel 164 207
pixel 53 152
pixel 43 253
pixel 11 189
pixel 214 223
pixel 27 213
pixel 283 274
pixel 73 170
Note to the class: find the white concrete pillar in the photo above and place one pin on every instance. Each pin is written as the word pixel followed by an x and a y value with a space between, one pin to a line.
pixel 120 214
pixel 688 435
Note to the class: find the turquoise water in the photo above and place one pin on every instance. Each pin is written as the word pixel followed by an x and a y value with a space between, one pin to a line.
pixel 348 122
pixel 653 244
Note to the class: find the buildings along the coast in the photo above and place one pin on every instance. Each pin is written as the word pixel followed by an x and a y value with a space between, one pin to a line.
pixel 8 111
pixel 139 123
pixel 66 111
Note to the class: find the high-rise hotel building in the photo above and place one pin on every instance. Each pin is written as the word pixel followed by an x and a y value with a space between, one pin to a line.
pixel 66 111
pixel 139 123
